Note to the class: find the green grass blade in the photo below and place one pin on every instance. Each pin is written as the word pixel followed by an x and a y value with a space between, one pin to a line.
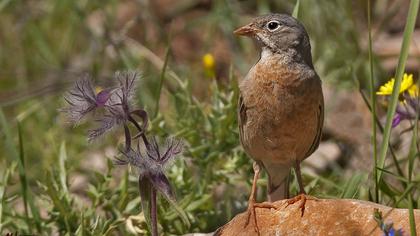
pixel 181 213
pixel 3 185
pixel 411 216
pixel 402 179
pixel 18 156
pixel 373 103
pixel 22 176
pixel 352 186
pixel 11 148
pixel 161 80
pixel 27 197
pixel 58 203
pixel 408 32
pixel 411 157
pixel 3 4
pixel 413 149
pixel 406 192
pixel 62 168
pixel 381 129
pixel 295 13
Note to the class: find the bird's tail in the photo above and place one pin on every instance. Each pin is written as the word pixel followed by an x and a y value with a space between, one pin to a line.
pixel 278 181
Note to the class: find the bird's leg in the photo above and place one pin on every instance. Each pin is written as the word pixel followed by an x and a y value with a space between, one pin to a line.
pixel 302 194
pixel 299 178
pixel 251 202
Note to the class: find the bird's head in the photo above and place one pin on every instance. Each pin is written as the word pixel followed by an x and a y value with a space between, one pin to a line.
pixel 278 32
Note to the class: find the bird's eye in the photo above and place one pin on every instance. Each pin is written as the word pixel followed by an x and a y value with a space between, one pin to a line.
pixel 273 25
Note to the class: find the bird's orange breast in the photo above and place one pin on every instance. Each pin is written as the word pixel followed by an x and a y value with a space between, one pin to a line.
pixel 282 111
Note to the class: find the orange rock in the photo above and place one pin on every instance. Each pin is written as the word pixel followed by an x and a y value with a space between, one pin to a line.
pixel 322 217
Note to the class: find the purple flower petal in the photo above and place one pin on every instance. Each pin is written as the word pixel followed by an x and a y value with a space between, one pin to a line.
pixel 102 97
pixel 397 119
pixel 145 189
pixel 162 185
pixel 81 100
pixel 106 123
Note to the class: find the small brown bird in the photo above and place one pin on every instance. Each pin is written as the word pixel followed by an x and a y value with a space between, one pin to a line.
pixel 281 106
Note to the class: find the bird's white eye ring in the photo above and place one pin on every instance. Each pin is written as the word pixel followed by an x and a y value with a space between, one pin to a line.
pixel 273 25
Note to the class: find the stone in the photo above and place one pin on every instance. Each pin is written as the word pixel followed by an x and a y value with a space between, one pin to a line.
pixel 321 217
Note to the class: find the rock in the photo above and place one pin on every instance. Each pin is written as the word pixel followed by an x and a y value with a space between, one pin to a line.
pixel 199 234
pixel 321 217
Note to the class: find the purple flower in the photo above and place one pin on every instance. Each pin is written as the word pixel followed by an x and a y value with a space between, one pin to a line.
pixel 393 232
pixel 116 105
pixel 81 100
pixel 106 123
pixel 387 228
pixel 408 110
pixel 102 97
pixel 123 95
pixel 151 165
pixel 396 120
pixel 117 102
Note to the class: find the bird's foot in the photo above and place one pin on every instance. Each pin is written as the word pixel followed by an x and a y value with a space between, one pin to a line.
pixel 301 197
pixel 252 213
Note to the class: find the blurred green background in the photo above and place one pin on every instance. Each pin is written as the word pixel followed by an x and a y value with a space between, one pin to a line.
pixel 53 181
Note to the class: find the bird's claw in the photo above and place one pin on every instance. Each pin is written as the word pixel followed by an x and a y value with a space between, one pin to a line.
pixel 301 197
pixel 251 212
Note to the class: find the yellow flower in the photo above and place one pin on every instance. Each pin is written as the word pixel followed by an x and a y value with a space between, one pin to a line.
pixel 407 84
pixel 208 61
pixel 98 89
pixel 413 90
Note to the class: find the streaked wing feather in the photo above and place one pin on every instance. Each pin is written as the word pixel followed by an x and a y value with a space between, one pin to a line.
pixel 318 135
pixel 242 118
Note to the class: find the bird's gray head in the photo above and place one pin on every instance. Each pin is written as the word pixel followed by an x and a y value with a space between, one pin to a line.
pixel 279 33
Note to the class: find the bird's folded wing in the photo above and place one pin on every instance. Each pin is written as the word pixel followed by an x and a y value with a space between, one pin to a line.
pixel 317 139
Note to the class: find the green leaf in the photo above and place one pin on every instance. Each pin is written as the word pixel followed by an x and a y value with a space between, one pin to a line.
pixel 411 157
pixel 198 203
pixel 388 190
pixel 402 179
pixel 11 148
pixel 3 5
pixel 3 185
pixel 161 80
pixel 412 220
pixel 22 176
pixel 373 102
pixel 62 169
pixel 180 212
pixel 55 196
pixel 295 13
pixel 20 158
pixel 352 186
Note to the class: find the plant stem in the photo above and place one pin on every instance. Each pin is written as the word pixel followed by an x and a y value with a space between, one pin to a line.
pixel 143 135
pixel 373 102
pixel 127 138
pixel 153 211
pixel 162 78
pixel 411 215
pixel 408 32
pixel 381 130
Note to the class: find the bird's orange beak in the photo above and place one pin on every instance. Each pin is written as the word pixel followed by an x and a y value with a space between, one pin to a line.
pixel 247 30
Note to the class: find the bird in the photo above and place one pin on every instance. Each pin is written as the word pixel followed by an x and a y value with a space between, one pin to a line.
pixel 280 107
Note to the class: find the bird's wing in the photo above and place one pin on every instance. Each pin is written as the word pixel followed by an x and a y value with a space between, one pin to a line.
pixel 241 116
pixel 317 139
